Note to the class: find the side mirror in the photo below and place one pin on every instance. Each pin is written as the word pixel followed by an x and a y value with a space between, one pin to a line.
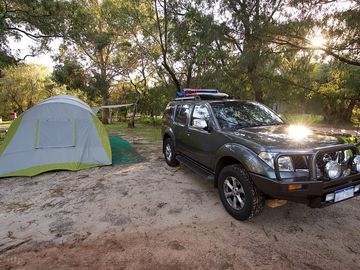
pixel 200 123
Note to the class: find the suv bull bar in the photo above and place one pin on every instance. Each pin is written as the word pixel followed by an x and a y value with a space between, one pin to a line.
pixel 313 154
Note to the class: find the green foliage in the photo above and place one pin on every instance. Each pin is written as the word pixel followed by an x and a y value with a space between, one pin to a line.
pixel 150 120
pixel 23 86
pixel 120 51
pixel 38 20
pixel 338 85
pixel 156 100
pixel 71 74
pixel 303 119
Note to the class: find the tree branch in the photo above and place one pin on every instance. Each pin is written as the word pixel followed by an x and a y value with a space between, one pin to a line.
pixel 35 36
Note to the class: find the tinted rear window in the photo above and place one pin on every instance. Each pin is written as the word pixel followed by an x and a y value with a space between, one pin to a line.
pixel 182 113
pixel 169 111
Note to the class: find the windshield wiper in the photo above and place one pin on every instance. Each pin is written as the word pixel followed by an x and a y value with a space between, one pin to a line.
pixel 267 124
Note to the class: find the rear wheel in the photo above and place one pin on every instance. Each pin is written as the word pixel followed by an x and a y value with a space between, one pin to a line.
pixel 169 153
pixel 240 197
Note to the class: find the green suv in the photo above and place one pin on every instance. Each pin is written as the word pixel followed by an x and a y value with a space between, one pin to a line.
pixel 252 155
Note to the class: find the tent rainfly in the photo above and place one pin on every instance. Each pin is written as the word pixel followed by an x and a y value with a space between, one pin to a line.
pixel 59 133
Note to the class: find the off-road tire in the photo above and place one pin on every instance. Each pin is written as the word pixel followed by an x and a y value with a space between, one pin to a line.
pixel 172 161
pixel 254 198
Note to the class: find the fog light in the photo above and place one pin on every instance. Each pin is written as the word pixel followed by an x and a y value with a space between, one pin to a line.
pixel 329 197
pixel 356 188
pixel 333 169
pixel 356 163
pixel 346 172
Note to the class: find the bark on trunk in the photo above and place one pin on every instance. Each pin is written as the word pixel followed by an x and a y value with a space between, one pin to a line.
pixel 131 123
pixel 105 112
pixel 256 86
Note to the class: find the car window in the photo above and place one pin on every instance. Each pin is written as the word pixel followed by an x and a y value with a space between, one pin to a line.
pixel 234 115
pixel 200 112
pixel 182 113
pixel 169 111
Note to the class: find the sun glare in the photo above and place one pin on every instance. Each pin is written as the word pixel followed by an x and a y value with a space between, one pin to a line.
pixel 318 41
pixel 298 132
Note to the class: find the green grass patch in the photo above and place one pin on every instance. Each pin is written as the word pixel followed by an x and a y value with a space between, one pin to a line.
pixel 150 120
pixel 5 123
pixel 306 119
pixel 2 136
pixel 141 130
pixel 116 126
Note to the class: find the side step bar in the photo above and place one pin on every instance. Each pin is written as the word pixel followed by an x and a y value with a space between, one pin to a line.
pixel 197 168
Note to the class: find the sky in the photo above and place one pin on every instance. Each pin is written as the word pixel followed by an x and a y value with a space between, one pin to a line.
pixel 22 47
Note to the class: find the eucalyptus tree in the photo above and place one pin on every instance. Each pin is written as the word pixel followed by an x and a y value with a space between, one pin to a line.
pixel 249 23
pixel 23 86
pixel 188 39
pixel 96 36
pixel 327 26
pixel 39 21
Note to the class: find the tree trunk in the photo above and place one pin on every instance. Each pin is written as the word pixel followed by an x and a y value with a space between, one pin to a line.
pixel 256 86
pixel 347 112
pixel 188 76
pixel 125 114
pixel 172 75
pixel 105 112
pixel 131 123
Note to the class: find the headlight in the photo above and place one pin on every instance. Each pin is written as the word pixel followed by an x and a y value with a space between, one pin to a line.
pixel 333 169
pixel 285 163
pixel 356 163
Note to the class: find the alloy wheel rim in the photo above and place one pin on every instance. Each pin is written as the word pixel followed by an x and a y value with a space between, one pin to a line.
pixel 168 152
pixel 234 193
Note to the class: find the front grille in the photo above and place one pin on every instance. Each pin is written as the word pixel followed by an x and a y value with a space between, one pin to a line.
pixel 300 162
pixel 303 162
pixel 323 158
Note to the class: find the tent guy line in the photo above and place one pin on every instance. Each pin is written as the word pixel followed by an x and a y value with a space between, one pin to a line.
pixel 97 108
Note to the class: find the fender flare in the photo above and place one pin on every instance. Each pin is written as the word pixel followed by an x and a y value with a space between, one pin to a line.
pixel 168 132
pixel 245 156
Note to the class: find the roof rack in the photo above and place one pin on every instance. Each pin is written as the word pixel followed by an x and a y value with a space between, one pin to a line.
pixel 200 90
pixel 217 96
pixel 187 98
pixel 198 93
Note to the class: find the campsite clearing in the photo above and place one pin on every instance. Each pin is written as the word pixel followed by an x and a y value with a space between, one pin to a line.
pixel 151 216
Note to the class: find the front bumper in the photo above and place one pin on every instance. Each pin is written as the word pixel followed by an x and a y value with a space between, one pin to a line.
pixel 311 188
pixel 312 192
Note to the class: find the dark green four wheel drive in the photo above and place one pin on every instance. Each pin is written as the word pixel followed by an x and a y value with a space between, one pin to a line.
pixel 252 155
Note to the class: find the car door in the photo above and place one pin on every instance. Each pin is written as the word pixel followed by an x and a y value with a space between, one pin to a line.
pixel 180 126
pixel 202 144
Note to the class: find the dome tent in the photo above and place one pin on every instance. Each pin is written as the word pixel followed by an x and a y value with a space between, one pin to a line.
pixel 59 133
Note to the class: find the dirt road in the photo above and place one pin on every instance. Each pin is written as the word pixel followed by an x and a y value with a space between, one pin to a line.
pixel 150 216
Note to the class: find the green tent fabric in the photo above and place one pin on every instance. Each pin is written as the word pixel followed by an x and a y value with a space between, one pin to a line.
pixel 59 133
pixel 123 152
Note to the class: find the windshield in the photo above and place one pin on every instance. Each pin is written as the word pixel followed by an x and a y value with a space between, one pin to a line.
pixel 234 115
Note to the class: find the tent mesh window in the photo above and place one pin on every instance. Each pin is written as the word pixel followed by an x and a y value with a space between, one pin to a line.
pixel 54 133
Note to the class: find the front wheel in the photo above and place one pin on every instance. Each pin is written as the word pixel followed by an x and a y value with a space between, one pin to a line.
pixel 240 197
pixel 169 153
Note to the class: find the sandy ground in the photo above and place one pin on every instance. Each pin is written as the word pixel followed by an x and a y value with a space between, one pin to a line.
pixel 151 216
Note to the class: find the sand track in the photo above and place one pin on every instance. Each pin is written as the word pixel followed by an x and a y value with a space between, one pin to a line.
pixel 151 216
